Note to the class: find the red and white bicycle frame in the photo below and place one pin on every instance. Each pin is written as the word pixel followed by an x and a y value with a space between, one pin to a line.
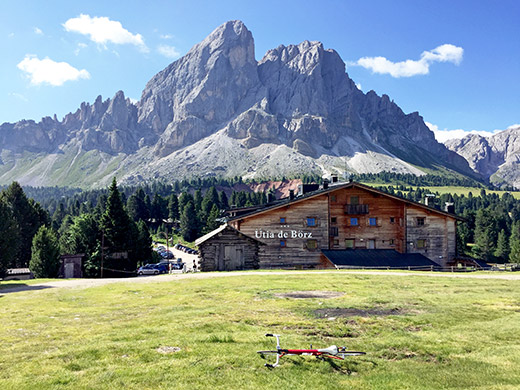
pixel 332 352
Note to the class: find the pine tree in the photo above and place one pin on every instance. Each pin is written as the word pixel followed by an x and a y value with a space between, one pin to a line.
pixel 212 223
pixel 514 243
pixel 189 222
pixel 9 234
pixel 223 202
pixel 173 207
pixel 119 234
pixel 137 207
pixel 28 219
pixel 502 249
pixel 45 259
pixel 485 235
pixel 144 243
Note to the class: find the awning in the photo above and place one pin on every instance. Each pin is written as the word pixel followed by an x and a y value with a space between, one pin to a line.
pixel 379 258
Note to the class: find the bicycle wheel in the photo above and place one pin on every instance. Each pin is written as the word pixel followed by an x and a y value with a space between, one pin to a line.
pixel 267 352
pixel 352 353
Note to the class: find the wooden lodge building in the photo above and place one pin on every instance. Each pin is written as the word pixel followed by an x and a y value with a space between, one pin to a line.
pixel 344 225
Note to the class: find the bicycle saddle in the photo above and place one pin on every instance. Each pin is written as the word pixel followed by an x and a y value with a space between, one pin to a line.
pixel 332 350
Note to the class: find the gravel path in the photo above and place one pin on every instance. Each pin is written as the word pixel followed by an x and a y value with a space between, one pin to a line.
pixel 86 283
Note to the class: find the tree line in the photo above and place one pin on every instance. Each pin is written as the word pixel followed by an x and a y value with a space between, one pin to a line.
pixel 113 231
pixel 113 227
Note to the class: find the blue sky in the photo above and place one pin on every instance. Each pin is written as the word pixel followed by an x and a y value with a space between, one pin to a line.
pixel 455 62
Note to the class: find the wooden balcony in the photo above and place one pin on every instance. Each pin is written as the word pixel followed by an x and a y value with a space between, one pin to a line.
pixel 356 209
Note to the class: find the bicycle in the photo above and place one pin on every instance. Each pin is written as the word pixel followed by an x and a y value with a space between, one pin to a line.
pixel 332 352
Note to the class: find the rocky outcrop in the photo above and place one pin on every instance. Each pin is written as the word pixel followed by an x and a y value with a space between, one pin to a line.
pixel 496 157
pixel 218 111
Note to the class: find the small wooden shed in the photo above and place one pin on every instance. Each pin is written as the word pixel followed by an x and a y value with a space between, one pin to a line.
pixel 71 266
pixel 227 249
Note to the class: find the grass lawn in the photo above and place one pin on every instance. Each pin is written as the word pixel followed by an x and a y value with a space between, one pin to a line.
pixel 422 333
pixel 453 190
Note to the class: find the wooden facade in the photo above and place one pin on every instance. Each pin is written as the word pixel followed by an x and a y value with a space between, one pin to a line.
pixel 346 216
pixel 226 249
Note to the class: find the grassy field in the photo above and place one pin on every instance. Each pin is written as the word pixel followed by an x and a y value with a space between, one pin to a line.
pixel 418 332
pixel 454 190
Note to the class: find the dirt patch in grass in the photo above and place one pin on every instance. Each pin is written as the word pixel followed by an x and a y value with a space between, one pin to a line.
pixel 310 294
pixel 351 312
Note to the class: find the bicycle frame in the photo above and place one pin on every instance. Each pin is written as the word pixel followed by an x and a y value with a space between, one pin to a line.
pixel 332 352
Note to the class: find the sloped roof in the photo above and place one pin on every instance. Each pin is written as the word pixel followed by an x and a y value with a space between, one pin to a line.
pixel 220 229
pixel 287 201
pixel 378 258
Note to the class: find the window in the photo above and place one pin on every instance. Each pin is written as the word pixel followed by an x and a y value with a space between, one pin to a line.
pixel 311 244
pixel 392 242
pixel 334 231
pixel 334 220
pixel 354 200
pixel 420 221
pixel 392 219
pixel 311 222
pixel 283 243
pixel 349 243
pixel 354 222
pixel 421 244
pixel 372 221
pixel 335 243
pixel 371 244
pixel 333 198
pixel 282 220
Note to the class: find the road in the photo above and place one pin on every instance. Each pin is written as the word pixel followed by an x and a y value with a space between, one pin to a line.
pixel 87 283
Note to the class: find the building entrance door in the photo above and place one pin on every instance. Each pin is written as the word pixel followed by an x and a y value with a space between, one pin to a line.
pixel 371 244
pixel 69 270
pixel 233 258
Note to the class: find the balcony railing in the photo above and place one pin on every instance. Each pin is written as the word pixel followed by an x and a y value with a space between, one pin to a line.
pixel 355 209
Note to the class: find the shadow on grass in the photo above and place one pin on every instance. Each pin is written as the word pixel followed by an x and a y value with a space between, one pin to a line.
pixel 17 287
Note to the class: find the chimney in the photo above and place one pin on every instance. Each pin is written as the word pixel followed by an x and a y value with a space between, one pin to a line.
pixel 449 207
pixel 291 194
pixel 334 178
pixel 270 197
pixel 428 200
pixel 325 184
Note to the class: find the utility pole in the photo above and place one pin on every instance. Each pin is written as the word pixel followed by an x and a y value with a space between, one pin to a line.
pixel 102 251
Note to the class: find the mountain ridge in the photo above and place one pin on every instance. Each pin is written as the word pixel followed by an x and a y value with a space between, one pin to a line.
pixel 496 157
pixel 218 111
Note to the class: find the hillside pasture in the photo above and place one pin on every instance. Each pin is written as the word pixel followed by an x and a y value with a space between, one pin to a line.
pixel 419 332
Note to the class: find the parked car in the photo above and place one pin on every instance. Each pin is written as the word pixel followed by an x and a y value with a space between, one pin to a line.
pixel 162 267
pixel 148 269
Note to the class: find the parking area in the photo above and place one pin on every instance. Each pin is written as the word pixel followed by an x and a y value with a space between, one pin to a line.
pixel 187 255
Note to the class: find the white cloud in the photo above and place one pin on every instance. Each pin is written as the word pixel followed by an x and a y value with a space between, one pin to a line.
pixel 445 135
pixel 10 35
pixel 102 30
pixel 19 96
pixel 409 68
pixel 80 47
pixel 168 51
pixel 167 36
pixel 47 71
pixel 38 31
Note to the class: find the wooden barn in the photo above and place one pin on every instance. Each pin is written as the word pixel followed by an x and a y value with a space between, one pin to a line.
pixel 342 226
pixel 227 249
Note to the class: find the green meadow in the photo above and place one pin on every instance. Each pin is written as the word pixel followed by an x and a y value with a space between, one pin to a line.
pixel 419 332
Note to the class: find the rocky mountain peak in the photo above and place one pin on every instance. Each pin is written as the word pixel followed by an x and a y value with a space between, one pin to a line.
pixel 496 157
pixel 217 111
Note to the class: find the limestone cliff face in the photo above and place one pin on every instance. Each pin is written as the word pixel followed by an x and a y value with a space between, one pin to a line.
pixel 109 126
pixel 219 111
pixel 496 157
